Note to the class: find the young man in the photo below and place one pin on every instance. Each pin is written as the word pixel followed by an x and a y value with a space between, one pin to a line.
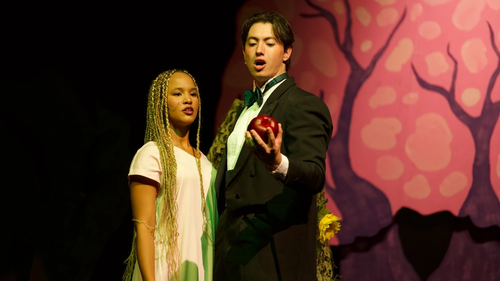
pixel 267 192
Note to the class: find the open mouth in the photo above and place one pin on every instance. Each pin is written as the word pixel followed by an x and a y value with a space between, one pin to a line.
pixel 259 64
pixel 188 110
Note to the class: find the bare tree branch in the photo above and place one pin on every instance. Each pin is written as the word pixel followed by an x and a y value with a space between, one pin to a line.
pixel 495 74
pixel 454 75
pixel 377 56
pixel 330 18
pixel 455 107
pixel 348 27
pixel 346 46
pixel 424 84
pixel 492 36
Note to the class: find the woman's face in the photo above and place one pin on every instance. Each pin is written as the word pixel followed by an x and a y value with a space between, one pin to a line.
pixel 182 100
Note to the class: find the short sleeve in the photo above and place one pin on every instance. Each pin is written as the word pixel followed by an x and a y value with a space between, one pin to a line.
pixel 146 162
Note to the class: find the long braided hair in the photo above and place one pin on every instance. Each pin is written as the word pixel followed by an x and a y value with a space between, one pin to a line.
pixel 158 129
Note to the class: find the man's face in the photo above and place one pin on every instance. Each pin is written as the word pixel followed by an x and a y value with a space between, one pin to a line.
pixel 264 56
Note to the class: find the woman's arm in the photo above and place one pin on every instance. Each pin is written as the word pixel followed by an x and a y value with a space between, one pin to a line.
pixel 143 199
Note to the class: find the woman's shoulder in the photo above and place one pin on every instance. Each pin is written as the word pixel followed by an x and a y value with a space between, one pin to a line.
pixel 150 148
pixel 146 163
pixel 150 145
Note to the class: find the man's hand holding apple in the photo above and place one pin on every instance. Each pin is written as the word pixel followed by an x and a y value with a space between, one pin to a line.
pixel 260 129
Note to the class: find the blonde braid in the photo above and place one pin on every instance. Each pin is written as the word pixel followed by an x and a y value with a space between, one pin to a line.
pixel 158 130
pixel 167 217
pixel 198 162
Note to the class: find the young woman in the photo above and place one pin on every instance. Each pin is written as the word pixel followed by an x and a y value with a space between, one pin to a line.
pixel 171 189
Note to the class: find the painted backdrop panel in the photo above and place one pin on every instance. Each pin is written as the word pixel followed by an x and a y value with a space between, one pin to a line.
pixel 414 163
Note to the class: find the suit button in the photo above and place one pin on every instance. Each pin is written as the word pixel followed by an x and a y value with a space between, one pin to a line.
pixel 237 196
pixel 252 174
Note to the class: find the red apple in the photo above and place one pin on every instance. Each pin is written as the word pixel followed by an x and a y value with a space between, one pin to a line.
pixel 260 125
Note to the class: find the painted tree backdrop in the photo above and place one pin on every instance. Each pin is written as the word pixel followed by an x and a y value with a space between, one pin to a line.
pixel 414 162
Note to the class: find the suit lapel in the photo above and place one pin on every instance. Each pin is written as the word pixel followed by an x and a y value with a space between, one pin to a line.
pixel 276 95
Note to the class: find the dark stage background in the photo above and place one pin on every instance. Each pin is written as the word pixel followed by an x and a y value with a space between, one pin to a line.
pixel 74 80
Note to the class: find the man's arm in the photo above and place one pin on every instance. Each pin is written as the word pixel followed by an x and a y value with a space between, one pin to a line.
pixel 306 136
pixel 303 140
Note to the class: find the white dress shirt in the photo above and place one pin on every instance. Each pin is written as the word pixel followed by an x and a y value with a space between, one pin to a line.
pixel 236 139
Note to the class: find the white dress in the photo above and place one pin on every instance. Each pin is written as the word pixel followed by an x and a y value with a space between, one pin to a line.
pixel 196 249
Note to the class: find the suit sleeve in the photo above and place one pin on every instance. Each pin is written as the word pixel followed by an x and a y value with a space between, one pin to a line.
pixel 306 135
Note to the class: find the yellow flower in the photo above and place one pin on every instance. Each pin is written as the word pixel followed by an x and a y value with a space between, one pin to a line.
pixel 328 227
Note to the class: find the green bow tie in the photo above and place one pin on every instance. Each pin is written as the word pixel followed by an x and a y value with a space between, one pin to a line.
pixel 257 96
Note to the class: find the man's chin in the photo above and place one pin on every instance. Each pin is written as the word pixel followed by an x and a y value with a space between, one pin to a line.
pixel 261 75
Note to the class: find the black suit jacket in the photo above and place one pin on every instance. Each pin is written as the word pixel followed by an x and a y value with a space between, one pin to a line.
pixel 267 229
